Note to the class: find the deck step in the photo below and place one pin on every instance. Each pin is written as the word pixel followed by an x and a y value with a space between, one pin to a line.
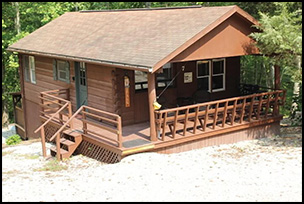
pixel 66 142
pixel 62 151
pixel 73 133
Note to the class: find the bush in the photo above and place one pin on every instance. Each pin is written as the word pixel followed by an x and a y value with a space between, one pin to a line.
pixel 13 140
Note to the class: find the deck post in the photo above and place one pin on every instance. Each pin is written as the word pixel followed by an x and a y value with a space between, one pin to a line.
pixel 43 142
pixel 152 98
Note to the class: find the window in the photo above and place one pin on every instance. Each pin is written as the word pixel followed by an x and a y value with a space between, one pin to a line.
pixel 61 70
pixel 218 75
pixel 141 80
pixel 203 77
pixel 211 75
pixel 29 68
pixel 164 78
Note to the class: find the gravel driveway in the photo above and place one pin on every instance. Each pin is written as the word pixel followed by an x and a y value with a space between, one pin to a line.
pixel 269 169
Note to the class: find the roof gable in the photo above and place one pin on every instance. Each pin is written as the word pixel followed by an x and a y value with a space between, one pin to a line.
pixel 137 38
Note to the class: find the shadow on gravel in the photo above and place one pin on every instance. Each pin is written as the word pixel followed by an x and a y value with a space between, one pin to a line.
pixel 290 137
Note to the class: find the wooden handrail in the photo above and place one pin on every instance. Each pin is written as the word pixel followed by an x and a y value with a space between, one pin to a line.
pixel 219 111
pixel 53 116
pixel 67 122
pixel 218 101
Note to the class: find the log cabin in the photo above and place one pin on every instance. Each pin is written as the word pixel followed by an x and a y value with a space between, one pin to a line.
pixel 111 83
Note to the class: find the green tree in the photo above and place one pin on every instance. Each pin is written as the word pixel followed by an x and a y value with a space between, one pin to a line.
pixel 281 39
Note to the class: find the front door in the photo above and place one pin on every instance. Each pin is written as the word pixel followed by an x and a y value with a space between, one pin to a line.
pixel 81 84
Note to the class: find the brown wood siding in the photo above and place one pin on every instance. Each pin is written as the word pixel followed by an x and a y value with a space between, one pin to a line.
pixel 228 39
pixel 100 87
pixel 99 83
pixel 126 113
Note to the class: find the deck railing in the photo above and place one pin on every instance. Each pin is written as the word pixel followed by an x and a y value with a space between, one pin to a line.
pixel 187 120
pixel 104 122
pixel 52 101
pixel 51 106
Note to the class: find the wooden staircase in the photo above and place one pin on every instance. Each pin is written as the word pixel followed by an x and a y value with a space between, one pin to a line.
pixel 68 143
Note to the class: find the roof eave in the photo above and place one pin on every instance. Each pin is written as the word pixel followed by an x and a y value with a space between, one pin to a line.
pixel 87 60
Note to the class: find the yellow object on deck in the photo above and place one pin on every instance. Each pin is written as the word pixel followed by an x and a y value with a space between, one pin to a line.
pixel 156 105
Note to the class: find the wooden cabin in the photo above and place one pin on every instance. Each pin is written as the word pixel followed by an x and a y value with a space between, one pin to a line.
pixel 112 83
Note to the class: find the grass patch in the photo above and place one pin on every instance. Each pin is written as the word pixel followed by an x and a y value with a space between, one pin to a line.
pixel 7 152
pixel 52 165
pixel 29 156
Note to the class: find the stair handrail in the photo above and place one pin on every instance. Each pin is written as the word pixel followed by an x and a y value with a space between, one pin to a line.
pixel 67 122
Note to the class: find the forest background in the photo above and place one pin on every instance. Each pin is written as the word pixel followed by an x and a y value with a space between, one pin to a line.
pixel 280 42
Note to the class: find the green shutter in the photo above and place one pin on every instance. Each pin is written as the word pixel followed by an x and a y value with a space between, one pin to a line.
pixel 54 70
pixel 67 71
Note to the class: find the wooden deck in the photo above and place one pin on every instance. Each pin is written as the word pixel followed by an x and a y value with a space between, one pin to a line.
pixel 103 133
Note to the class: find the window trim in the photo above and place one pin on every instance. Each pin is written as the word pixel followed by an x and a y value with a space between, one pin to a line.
pixel 56 75
pixel 29 69
pixel 207 76
pixel 210 75
pixel 223 74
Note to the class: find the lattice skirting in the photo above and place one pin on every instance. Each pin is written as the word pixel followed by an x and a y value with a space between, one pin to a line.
pixel 49 131
pixel 97 152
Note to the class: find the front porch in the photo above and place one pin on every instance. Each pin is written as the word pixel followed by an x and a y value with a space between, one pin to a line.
pixel 104 138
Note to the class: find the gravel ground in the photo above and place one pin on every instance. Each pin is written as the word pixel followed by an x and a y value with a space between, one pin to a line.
pixel 269 169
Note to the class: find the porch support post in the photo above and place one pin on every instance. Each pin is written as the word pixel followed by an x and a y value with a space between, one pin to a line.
pixel 152 98
pixel 276 76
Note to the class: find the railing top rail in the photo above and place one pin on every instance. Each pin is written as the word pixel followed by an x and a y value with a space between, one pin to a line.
pixel 103 112
pixel 55 97
pixel 219 101
pixel 63 107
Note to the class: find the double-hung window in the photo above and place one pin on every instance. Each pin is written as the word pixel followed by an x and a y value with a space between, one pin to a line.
pixel 29 68
pixel 211 75
pixel 203 75
pixel 61 70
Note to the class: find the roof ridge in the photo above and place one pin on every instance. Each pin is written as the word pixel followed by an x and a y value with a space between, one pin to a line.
pixel 142 9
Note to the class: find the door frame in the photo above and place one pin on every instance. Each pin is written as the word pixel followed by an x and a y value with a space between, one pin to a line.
pixel 77 84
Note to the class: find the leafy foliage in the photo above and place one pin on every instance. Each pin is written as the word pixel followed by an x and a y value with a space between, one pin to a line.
pixel 280 23
pixel 13 140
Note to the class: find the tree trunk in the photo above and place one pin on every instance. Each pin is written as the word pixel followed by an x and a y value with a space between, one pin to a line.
pixel 296 89
pixel 17 19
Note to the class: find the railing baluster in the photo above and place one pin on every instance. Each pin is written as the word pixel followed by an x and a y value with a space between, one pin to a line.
pixel 267 105
pixel 251 108
pixel 195 120
pixel 259 107
pixel 164 126
pixel 206 117
pixel 233 111
pixel 215 115
pixel 243 110
pixel 275 106
pixel 175 123
pixel 225 114
pixel 186 121
pixel 84 124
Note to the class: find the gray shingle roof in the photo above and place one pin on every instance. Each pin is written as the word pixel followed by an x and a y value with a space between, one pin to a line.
pixel 138 37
